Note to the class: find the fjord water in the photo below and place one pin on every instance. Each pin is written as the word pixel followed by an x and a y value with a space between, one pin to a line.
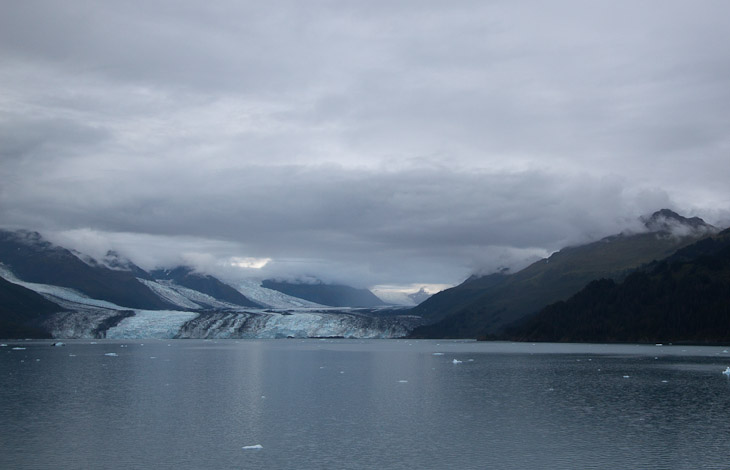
pixel 349 404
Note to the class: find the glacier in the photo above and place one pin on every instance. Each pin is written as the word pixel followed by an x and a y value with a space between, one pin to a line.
pixel 202 316
pixel 301 324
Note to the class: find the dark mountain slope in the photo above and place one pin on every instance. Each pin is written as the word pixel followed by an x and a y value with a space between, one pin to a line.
pixel 187 277
pixel 33 259
pixel 22 312
pixel 484 306
pixel 334 295
pixel 684 298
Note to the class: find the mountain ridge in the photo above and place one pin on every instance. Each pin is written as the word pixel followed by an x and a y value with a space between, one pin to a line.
pixel 485 305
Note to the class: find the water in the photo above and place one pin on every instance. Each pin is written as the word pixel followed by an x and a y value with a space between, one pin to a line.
pixel 347 404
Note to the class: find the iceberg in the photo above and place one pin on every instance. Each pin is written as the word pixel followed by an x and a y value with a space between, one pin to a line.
pixel 253 447
pixel 727 371
pixel 456 361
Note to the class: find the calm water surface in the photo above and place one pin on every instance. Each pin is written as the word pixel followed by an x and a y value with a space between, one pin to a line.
pixel 348 404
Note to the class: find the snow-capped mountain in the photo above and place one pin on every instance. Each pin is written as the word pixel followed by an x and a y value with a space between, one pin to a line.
pixel 87 298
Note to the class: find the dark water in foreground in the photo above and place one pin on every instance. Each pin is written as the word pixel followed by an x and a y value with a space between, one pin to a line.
pixel 347 404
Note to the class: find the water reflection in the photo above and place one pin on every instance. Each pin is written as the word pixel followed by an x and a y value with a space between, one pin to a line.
pixel 362 404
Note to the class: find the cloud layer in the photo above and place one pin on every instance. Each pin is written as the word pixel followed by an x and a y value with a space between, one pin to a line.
pixel 377 142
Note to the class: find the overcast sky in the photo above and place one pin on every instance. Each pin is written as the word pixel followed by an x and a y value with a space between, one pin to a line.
pixel 367 142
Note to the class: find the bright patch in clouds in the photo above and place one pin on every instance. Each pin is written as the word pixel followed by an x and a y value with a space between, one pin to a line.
pixel 249 263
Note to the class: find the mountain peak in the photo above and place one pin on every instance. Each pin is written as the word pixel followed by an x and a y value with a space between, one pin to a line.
pixel 668 221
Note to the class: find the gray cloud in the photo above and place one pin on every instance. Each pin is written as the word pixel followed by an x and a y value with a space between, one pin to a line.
pixel 377 142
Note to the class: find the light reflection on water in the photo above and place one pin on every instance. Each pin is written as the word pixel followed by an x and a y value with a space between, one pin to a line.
pixel 350 404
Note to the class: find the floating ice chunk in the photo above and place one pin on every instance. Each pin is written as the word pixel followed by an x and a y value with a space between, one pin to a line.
pixel 437 354
pixel 456 361
pixel 72 355
pixel 665 381
pixel 727 371
pixel 3 345
pixel 18 349
pixel 402 381
pixel 111 354
pixel 659 344
pixel 724 350
pixel 93 342
pixel 58 344
pixel 342 372
pixel 470 360
pixel 38 360
pixel 253 447
pixel 626 376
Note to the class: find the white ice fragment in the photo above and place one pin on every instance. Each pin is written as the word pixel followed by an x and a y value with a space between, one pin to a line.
pixel 111 354
pixel 727 371
pixel 72 355
pixel 38 360
pixel 153 357
pixel 93 342
pixel 253 447
pixel 18 349
pixel 342 372
pixel 626 376
pixel 456 361
pixel 470 360
pixel 3 345
pixel 58 344
pixel 402 381
pixel 659 344
pixel 724 350
pixel 437 354
pixel 665 381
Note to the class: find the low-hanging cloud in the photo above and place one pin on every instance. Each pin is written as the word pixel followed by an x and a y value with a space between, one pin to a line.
pixel 397 142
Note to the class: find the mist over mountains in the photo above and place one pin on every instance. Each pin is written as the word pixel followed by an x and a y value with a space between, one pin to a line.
pixel 52 291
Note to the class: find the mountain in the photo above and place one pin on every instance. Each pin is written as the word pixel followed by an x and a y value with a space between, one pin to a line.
pixel 333 295
pixel 22 311
pixel 483 306
pixel 207 284
pixel 684 298
pixel 420 296
pixel 33 259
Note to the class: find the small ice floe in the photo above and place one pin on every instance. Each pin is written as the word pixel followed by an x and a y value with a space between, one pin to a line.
pixel 724 350
pixel 93 342
pixel 3 345
pixel 38 360
pixel 342 372
pixel 153 357
pixel 470 360
pixel 402 381
pixel 659 344
pixel 111 354
pixel 17 348
pixel 456 361
pixel 626 376
pixel 123 346
pixel 437 354
pixel 727 371
pixel 253 447
pixel 72 355
pixel 58 344
pixel 665 381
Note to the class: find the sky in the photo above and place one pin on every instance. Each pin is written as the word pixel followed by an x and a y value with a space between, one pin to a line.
pixel 374 143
